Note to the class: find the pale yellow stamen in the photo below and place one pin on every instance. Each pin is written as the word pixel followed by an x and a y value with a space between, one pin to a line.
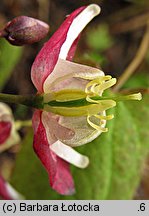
pixel 108 117
pixel 68 95
pixel 92 100
pixel 104 85
pixel 94 88
pixel 64 95
pixel 91 109
pixel 91 85
pixel 137 96
pixel 95 126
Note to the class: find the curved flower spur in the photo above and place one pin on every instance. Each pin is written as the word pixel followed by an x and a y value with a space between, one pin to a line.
pixel 73 110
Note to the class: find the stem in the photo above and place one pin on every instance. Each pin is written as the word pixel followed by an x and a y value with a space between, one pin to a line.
pixel 136 61
pixel 19 124
pixel 27 100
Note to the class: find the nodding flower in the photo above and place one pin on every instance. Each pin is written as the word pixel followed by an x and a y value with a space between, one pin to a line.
pixel 8 133
pixel 8 137
pixel 73 110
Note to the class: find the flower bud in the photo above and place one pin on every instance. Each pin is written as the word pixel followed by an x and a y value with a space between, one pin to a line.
pixel 24 30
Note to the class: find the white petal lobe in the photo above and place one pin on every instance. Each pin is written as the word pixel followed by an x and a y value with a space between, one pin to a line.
pixel 77 26
pixel 64 73
pixel 69 154
pixel 13 193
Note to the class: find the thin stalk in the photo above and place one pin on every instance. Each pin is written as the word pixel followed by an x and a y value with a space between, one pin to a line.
pixel 27 100
pixel 142 50
pixel 19 124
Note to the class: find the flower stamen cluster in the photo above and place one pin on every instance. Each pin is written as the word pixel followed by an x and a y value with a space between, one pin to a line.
pixel 95 88
pixel 88 102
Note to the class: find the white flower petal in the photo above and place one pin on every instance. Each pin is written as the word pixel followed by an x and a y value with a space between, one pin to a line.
pixel 54 130
pixel 13 193
pixel 69 154
pixel 13 139
pixel 77 26
pixel 5 109
pixel 84 133
pixel 63 73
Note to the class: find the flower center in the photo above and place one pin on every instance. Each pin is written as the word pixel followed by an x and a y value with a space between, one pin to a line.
pixel 90 103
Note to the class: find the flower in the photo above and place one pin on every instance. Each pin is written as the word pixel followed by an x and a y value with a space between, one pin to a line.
pixel 48 130
pixel 8 137
pixel 7 192
pixel 8 134
pixel 72 111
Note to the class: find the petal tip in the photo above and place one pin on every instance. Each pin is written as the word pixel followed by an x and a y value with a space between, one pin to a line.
pixel 85 162
pixel 95 8
pixel 15 195
pixel 64 188
pixel 70 192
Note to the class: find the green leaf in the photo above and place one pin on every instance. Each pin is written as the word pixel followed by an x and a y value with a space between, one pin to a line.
pixel 125 156
pixel 9 56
